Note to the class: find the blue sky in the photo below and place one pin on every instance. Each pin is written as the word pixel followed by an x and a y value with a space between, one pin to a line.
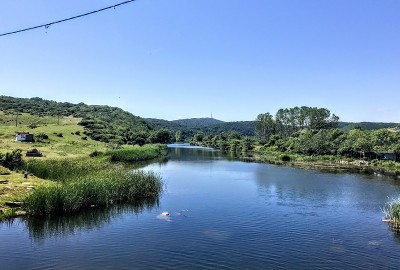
pixel 185 58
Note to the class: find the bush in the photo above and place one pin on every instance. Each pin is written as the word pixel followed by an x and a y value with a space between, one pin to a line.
pixel 11 160
pixel 40 137
pixel 4 171
pixel 96 154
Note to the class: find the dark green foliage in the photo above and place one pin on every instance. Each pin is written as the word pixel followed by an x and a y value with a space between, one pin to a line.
pixel 96 153
pixel 199 136
pixel 187 128
pixel 161 136
pixel 132 154
pixel 265 126
pixel 11 160
pixel 285 158
pixel 347 126
pixel 41 137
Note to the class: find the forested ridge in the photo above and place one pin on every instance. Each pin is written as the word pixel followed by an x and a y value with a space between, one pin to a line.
pixel 301 130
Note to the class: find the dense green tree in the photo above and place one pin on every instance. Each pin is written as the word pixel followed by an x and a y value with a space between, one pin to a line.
pixel 265 126
pixel 160 136
pixel 178 136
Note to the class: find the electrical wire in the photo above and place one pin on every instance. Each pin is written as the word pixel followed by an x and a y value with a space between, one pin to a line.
pixel 47 25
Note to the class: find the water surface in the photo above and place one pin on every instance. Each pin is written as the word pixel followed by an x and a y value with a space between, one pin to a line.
pixel 224 214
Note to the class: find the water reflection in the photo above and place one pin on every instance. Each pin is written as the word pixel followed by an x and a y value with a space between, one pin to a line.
pixel 85 220
pixel 190 153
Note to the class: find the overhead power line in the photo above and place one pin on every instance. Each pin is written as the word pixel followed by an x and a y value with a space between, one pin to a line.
pixel 47 25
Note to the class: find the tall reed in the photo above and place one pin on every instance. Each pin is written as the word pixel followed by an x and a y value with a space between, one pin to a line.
pixel 131 154
pixel 392 210
pixel 64 169
pixel 103 189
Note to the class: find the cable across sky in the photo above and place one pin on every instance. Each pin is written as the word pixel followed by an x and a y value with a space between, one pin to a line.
pixel 47 25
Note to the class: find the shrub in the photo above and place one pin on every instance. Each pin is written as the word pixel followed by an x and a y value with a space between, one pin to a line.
pixel 4 171
pixel 11 160
pixel 41 137
pixel 96 154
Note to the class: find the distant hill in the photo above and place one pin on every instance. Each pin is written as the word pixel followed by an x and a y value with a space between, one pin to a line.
pixel 209 126
pixel 112 124
pixel 197 122
pixel 346 126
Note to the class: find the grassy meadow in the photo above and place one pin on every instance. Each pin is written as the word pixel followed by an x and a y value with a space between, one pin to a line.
pixel 65 139
pixel 66 179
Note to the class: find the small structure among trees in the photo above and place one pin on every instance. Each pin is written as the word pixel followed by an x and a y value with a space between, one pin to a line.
pixel 34 153
pixel 24 137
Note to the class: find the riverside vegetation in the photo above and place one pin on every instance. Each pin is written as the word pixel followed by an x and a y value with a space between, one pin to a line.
pixel 299 136
pixel 69 184
pixel 66 179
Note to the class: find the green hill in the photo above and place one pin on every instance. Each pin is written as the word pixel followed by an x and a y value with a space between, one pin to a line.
pixel 102 123
pixel 346 126
pixel 210 126
pixel 197 122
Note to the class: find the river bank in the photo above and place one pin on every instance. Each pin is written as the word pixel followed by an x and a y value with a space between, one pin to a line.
pixel 69 184
pixel 327 163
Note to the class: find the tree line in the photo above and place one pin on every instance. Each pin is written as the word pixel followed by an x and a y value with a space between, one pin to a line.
pixel 288 121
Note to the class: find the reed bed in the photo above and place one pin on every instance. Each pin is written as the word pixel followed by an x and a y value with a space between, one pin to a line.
pixel 135 153
pixel 90 182
pixel 392 211
pixel 109 187
pixel 65 169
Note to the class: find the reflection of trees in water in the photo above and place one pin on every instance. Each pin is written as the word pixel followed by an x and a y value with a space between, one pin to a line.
pixel 192 154
pixel 87 219
pixel 322 188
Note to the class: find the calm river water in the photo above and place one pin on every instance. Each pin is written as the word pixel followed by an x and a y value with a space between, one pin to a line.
pixel 223 215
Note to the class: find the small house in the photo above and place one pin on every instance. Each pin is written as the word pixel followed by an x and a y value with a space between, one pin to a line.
pixel 23 137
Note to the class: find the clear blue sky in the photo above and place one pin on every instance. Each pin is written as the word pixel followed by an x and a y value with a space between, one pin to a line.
pixel 185 58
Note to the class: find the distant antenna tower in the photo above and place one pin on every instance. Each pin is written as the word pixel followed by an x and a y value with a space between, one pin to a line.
pixel 211 115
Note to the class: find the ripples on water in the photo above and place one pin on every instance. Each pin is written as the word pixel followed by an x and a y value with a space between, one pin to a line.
pixel 222 215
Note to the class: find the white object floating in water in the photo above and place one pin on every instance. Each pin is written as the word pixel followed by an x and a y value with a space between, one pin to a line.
pixel 164 216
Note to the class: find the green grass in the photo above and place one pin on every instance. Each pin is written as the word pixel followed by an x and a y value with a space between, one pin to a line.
pixel 4 171
pixel 65 178
pixel 83 182
pixel 111 186
pixel 137 153
pixel 69 145
pixel 65 169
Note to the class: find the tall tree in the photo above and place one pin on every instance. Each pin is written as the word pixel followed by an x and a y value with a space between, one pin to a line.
pixel 265 126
